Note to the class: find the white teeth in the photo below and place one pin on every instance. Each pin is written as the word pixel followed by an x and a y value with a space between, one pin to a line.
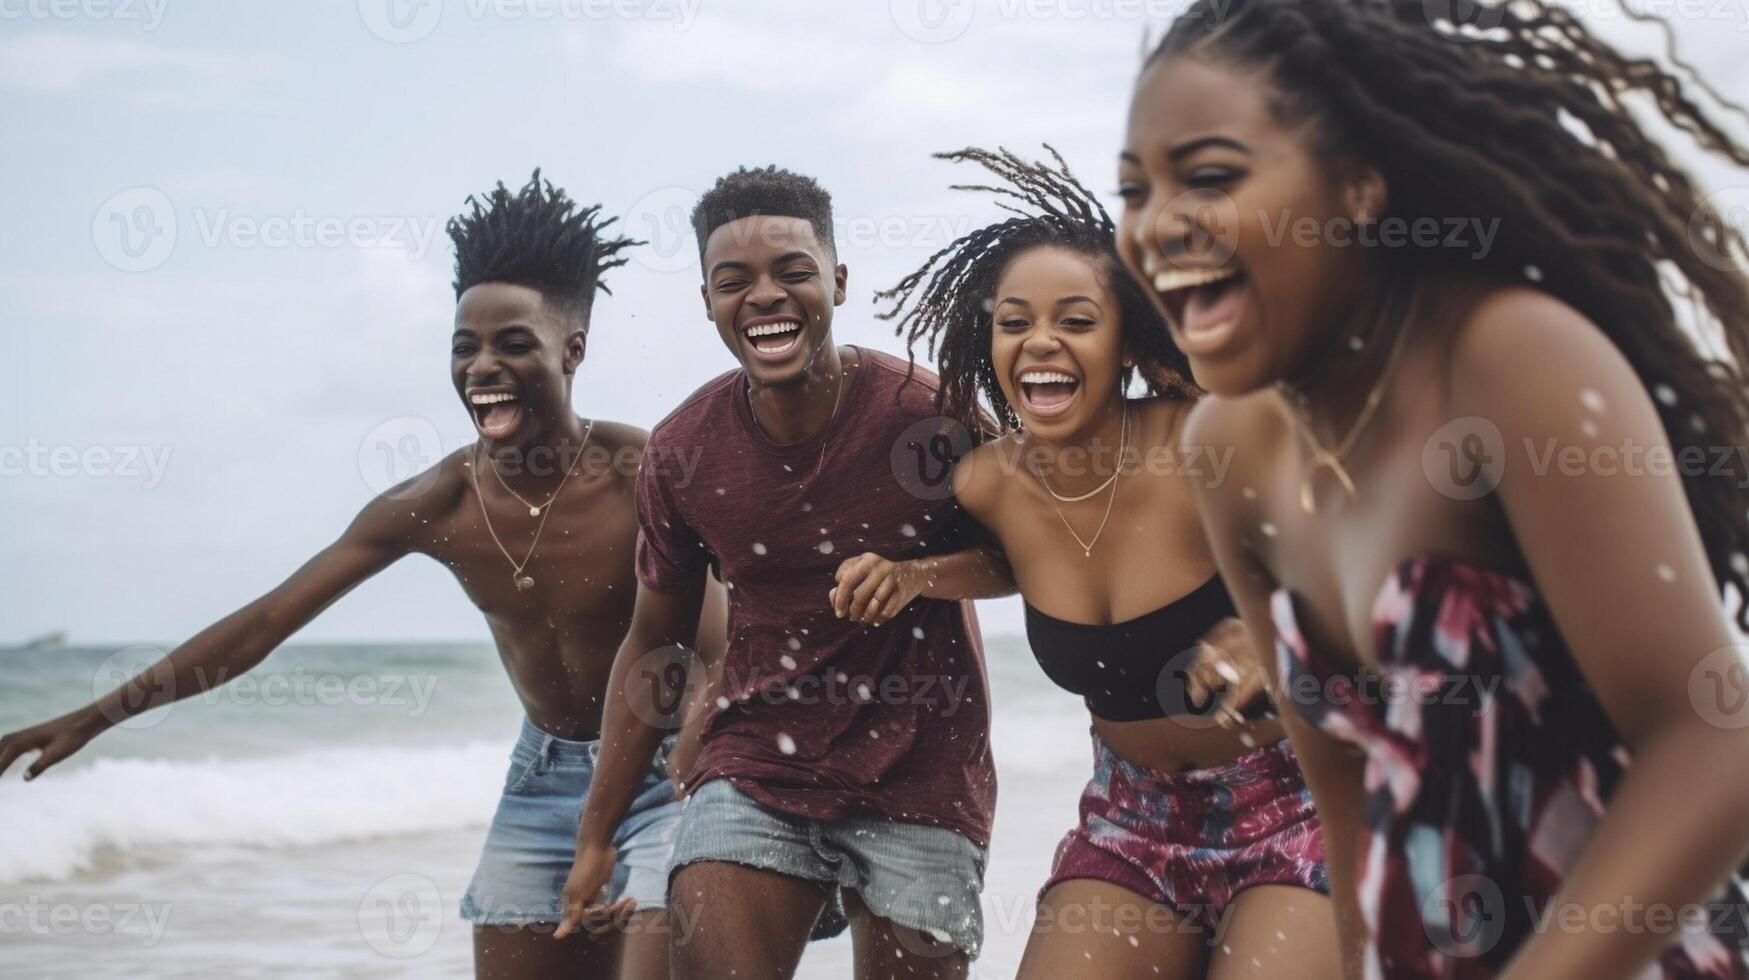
pixel 492 399
pixel 767 329
pixel 1046 377
pixel 1171 279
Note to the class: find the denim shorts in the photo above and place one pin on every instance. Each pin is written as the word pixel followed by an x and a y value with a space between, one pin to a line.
pixel 923 878
pixel 533 838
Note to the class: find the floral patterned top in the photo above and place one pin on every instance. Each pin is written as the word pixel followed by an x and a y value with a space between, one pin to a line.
pixel 1489 763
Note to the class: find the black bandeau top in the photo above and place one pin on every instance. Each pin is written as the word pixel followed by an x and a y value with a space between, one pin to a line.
pixel 1134 670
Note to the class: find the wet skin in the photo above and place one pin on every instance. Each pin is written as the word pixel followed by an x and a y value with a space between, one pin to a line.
pixel 1055 312
pixel 1617 558
pixel 557 639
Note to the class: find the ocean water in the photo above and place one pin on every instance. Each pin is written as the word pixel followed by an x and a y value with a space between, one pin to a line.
pixel 322 815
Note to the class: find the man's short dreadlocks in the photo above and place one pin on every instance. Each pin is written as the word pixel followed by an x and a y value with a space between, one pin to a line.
pixel 538 238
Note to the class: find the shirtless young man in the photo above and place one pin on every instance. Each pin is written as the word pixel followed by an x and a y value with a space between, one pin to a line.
pixel 537 521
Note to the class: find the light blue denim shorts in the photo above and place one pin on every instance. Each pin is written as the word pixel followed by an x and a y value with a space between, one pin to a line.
pixel 533 838
pixel 923 878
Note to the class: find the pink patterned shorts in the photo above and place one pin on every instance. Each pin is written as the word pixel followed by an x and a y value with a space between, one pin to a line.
pixel 1194 840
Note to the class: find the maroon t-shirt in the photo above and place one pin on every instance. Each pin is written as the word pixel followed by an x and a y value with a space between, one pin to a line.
pixel 826 717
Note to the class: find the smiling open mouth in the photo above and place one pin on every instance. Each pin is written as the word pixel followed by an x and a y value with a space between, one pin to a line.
pixel 774 339
pixel 1047 393
pixel 1204 305
pixel 496 413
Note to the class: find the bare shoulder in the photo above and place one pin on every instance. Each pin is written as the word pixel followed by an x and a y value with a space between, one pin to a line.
pixel 618 446
pixel 1247 422
pixel 1520 353
pixel 620 435
pixel 403 513
pixel 979 477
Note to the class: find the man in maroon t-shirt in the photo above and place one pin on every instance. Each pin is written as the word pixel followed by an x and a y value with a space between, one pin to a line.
pixel 847 756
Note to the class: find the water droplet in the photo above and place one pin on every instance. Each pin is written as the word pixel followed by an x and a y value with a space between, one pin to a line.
pixel 807 507
pixel 1592 399
pixel 722 702
pixel 1740 563
pixel 785 744
pixel 917 632
pixel 863 693
pixel 721 491
pixel 1249 493
pixel 873 734
pixel 1533 273
pixel 1356 344
pixel 759 548
pixel 1667 573
pixel 825 547
pixel 907 530
pixel 1268 529
pixel 989 304
pixel 793 643
pixel 1665 394
pixel 789 662
pixel 1589 428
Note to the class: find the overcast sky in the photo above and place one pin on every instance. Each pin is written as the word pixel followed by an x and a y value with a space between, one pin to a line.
pixel 226 283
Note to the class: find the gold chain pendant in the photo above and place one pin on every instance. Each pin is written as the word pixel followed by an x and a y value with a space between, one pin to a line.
pixel 523 583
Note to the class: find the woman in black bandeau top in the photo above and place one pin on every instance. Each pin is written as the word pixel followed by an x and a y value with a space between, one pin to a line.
pixel 1198 852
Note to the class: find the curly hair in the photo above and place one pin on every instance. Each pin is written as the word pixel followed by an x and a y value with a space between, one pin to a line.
pixel 765 190
pixel 538 238
pixel 948 300
pixel 1516 112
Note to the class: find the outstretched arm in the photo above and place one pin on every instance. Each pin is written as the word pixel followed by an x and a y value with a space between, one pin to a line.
pixel 871 589
pixel 231 646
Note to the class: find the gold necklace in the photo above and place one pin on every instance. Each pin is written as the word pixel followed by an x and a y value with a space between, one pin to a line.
pixel 1122 445
pixel 534 510
pixel 1332 459
pixel 523 582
